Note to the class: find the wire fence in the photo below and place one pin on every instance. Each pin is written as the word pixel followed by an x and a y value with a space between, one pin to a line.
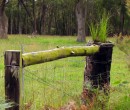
pixel 51 84
pixel 55 83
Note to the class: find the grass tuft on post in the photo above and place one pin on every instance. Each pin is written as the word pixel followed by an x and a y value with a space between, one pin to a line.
pixel 99 31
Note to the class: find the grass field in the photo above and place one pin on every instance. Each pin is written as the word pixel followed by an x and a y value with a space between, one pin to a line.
pixel 58 82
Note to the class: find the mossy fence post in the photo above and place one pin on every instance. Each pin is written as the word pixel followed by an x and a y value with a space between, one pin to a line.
pixel 13 79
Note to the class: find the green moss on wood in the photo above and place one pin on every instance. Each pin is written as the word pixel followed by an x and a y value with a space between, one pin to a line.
pixel 58 53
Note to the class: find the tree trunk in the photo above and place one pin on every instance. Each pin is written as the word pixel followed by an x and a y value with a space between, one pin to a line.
pixel 50 20
pixel 80 14
pixel 34 19
pixel 43 16
pixel 19 18
pixel 3 21
pixel 11 23
pixel 122 17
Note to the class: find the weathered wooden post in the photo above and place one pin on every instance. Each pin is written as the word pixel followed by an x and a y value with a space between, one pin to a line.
pixel 97 70
pixel 98 66
pixel 13 79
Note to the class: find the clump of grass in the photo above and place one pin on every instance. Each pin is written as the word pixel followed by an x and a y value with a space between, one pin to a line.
pixel 94 30
pixel 103 28
pixel 99 31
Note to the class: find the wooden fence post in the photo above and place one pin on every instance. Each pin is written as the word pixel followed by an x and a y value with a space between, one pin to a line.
pixel 98 67
pixel 13 79
pixel 97 70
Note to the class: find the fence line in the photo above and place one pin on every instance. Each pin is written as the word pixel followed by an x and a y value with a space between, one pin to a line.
pixel 15 61
pixel 52 84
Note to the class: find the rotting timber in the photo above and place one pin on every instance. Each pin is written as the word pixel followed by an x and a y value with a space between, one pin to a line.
pixel 97 69
pixel 58 53
pixel 98 66
pixel 97 73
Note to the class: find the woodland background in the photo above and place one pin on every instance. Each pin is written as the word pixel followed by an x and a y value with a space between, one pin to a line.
pixel 62 17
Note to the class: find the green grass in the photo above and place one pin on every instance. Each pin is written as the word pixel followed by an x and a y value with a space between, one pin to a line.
pixel 99 31
pixel 58 82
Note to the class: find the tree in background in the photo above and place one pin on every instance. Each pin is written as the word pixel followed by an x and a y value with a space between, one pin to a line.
pixel 81 18
pixel 64 17
pixel 3 20
pixel 122 15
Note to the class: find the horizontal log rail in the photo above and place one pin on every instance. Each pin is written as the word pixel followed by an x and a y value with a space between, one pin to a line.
pixel 57 53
